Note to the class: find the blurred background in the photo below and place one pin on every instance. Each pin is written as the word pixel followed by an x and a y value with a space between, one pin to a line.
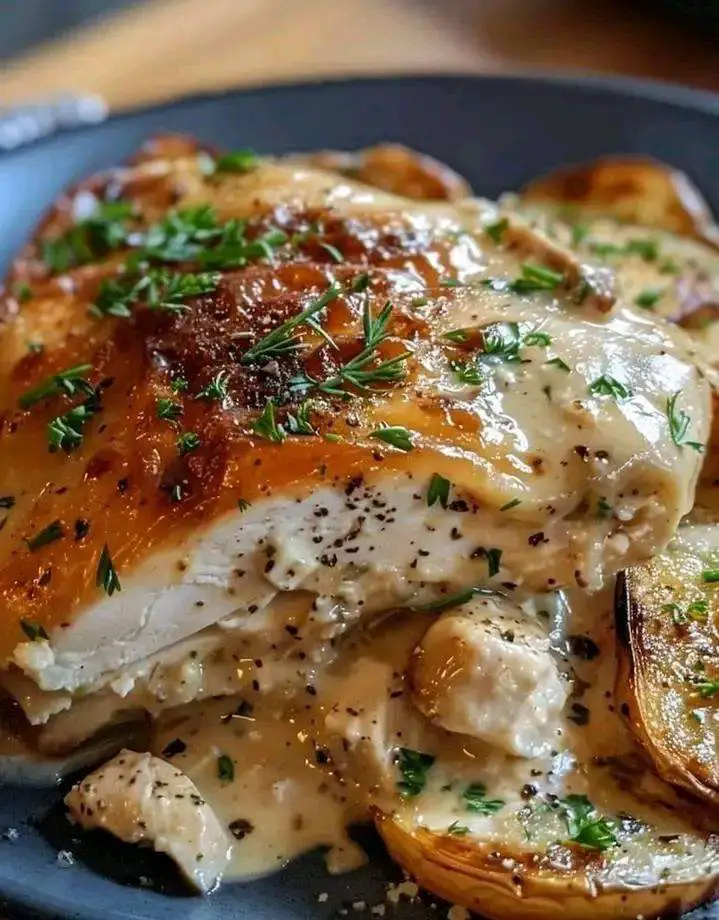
pixel 135 51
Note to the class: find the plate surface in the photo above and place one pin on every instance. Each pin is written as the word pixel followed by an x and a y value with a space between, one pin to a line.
pixel 499 132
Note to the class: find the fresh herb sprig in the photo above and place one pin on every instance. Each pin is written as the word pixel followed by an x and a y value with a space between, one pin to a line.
pixel 585 826
pixel 679 422
pixel 70 382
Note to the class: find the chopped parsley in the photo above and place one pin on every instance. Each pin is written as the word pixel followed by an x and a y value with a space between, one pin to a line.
pixel 679 422
pixel 187 442
pixel 69 382
pixel 457 335
pixel 102 232
pixel 438 490
pixel 606 385
pixel 300 423
pixel 332 251
pixel 511 504
pixel 266 425
pixel 357 372
pixel 34 631
pixel 395 436
pixel 494 557
pixel 707 688
pixel 225 768
pixel 456 829
pixel 648 249
pixel 584 826
pixel 559 364
pixel 240 161
pixel 106 577
pixel 179 385
pixel 696 611
pixel 452 600
pixel 475 799
pixel 283 340
pixel 44 537
pixel 539 339
pixel 216 389
pixel 167 409
pixel 535 278
pixel 496 230
pixel 65 432
pixel 158 289
pixel 414 767
pixel 710 576
pixel 648 298
pixel 466 372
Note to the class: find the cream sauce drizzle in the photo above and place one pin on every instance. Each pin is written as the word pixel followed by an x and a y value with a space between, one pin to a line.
pixel 310 759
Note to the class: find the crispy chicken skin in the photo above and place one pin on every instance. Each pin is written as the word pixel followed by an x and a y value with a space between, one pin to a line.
pixel 529 442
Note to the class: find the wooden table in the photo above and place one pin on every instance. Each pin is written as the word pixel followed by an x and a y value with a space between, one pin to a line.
pixel 165 48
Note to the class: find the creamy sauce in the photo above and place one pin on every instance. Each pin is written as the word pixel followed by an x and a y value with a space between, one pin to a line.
pixel 312 759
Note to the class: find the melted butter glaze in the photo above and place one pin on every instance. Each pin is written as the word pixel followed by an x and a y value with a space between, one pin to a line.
pixel 512 438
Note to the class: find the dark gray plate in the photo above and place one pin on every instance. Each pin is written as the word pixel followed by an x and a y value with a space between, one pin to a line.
pixel 499 131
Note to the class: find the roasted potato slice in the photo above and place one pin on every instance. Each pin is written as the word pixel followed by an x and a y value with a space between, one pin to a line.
pixel 566 882
pixel 646 221
pixel 633 190
pixel 667 613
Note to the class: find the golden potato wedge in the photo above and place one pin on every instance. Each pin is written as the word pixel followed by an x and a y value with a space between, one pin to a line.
pixel 571 883
pixel 668 680
pixel 634 190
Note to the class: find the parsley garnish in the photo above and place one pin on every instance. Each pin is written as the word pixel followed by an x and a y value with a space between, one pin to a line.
pixel 90 238
pixel 266 426
pixel 535 278
pixel 70 382
pixel 494 557
pixel 181 235
pixel 107 577
pixel 179 385
pixel 648 298
pixel 456 335
pixel 496 230
pixel 540 339
pixel 187 442
pixel 511 504
pixel 34 631
pixel 240 161
pixel 452 600
pixel 645 249
pixel 356 372
pixel 475 798
pixel 585 826
pixel 710 576
pixel 696 611
pixel 679 422
pixel 65 432
pixel 707 688
pixel 560 364
pixel 225 768
pixel 300 423
pixel 438 490
pixel 167 410
pixel 414 767
pixel 609 386
pixel 466 372
pixel 47 535
pixel 395 435
pixel 457 830
pixel 216 388
pixel 283 339
pixel 333 252
pixel 159 289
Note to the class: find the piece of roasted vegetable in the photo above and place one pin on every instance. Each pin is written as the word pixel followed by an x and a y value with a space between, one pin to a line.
pixel 634 190
pixel 653 878
pixel 668 680
pixel 646 221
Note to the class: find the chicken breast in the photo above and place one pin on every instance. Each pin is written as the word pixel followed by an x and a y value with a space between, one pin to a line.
pixel 224 380
pixel 486 670
pixel 143 799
